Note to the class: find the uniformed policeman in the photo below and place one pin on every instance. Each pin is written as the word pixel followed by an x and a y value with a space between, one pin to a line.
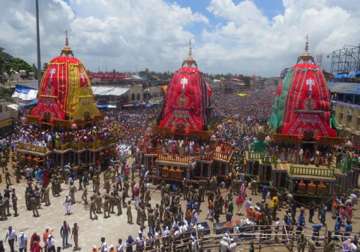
pixel 47 196
pixel 129 213
pixel 93 207
pixel 84 196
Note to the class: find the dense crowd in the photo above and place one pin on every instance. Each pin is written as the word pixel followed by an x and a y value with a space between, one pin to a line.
pixel 50 138
pixel 176 221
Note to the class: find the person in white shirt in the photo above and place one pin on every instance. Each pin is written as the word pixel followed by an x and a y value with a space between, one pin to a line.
pixel 22 242
pixel 121 246
pixel 51 243
pixel 103 247
pixel 11 237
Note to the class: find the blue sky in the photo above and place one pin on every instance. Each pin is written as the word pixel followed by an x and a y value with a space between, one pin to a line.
pixel 269 8
pixel 238 36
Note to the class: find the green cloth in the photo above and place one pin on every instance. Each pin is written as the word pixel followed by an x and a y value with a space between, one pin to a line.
pixel 258 146
pixel 278 108
pixel 332 122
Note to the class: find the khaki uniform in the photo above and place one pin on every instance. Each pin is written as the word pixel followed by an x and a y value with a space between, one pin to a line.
pixel 34 206
pixel 14 204
pixel 47 196
pixel 106 206
pixel 72 193
pixel 2 210
pixel 84 196
pixel 98 203
pixel 7 178
pixel 118 205
pixel 129 213
pixel 107 186
pixel 93 207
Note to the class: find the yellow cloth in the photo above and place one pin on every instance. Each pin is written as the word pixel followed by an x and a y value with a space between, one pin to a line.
pixel 242 94
pixel 274 202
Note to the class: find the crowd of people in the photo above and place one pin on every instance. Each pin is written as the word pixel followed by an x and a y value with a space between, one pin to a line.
pixel 41 136
pixel 183 213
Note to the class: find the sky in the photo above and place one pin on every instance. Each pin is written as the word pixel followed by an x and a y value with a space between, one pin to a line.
pixel 228 36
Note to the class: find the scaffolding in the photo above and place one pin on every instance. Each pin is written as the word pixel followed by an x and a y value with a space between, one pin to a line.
pixel 345 60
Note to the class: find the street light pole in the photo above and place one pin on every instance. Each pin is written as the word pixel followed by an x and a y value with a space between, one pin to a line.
pixel 38 43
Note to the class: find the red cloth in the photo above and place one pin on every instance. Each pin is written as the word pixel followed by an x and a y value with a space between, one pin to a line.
pixel 46 178
pixel 186 102
pixel 308 103
pixel 240 200
pixel 35 247
pixel 60 78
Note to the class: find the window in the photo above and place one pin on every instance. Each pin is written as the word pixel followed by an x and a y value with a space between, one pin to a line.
pixel 349 98
pixel 138 97
pixel 1 109
pixel 357 99
pixel 340 97
pixel 132 97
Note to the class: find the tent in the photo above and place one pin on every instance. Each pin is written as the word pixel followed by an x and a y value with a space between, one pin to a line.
pixel 24 93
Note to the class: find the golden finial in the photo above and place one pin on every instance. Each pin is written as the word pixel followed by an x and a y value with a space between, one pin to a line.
pixel 67 50
pixel 189 61
pixel 306 57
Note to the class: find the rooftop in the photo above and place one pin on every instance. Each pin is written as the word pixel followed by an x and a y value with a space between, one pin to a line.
pixel 344 87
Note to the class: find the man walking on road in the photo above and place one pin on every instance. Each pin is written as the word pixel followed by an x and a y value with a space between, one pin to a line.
pixel 11 237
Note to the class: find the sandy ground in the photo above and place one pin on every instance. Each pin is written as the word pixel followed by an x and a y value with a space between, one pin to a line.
pixel 91 230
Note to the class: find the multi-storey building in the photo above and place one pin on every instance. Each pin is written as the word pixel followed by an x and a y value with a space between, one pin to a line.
pixel 346 106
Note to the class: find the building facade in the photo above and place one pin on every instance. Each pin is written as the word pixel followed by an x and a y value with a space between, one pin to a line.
pixel 7 117
pixel 346 106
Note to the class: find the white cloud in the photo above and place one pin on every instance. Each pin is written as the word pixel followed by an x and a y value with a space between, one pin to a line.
pixel 127 34
pixel 250 42
pixel 134 34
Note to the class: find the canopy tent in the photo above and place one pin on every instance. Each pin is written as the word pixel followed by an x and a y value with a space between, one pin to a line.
pixel 109 91
pixel 24 93
pixel 13 106
pixel 106 106
pixel 22 105
pixel 344 87
pixel 27 94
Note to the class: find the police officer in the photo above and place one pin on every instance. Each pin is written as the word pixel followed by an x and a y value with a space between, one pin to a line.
pixel 47 196
pixel 93 207
pixel 128 212
pixel 14 203
pixel 84 196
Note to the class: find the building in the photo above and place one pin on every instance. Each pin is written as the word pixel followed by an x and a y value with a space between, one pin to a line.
pixel 346 106
pixel 345 90
pixel 7 117
pixel 134 84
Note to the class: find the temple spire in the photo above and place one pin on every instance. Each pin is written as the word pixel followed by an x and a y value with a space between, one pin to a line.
pixel 189 61
pixel 67 50
pixel 66 39
pixel 306 57
pixel 307 44
pixel 190 49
